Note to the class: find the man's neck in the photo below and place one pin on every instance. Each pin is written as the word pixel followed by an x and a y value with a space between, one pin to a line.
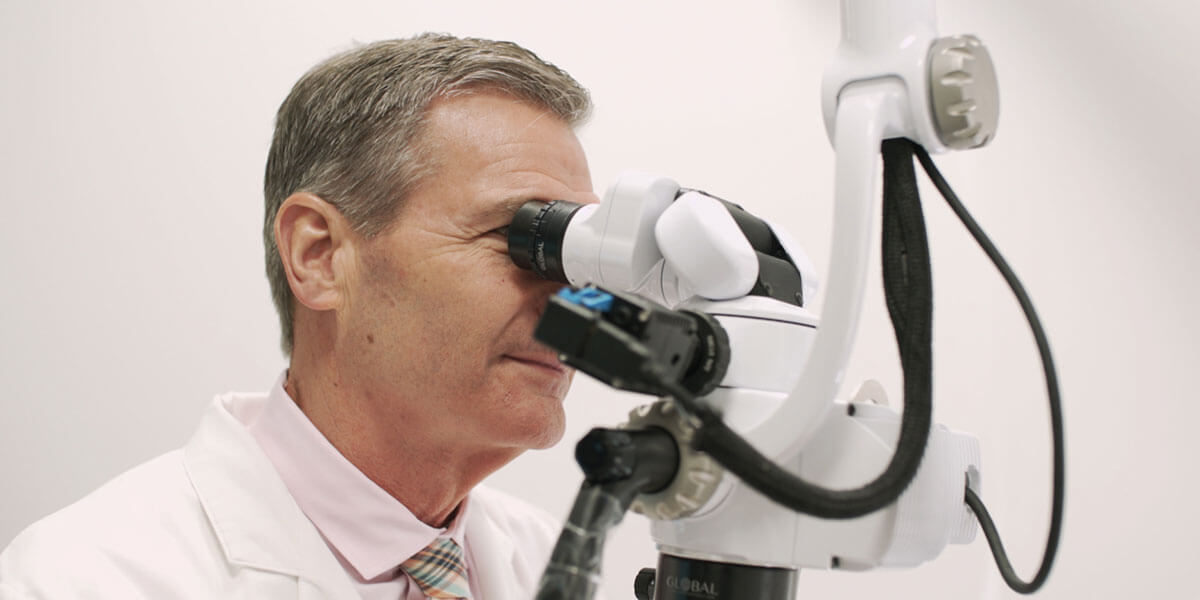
pixel 430 476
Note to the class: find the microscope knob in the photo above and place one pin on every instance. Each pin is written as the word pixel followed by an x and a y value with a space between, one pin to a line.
pixel 963 91
pixel 643 585
pixel 698 478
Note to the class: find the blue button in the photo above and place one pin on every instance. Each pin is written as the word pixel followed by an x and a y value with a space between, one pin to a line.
pixel 591 298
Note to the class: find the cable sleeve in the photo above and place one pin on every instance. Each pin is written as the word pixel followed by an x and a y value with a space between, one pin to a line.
pixel 909 292
pixel 573 572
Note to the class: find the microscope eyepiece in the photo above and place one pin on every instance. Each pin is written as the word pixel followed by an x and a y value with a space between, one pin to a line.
pixel 535 237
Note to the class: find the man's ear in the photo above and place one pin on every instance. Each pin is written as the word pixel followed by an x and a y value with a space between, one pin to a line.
pixel 309 233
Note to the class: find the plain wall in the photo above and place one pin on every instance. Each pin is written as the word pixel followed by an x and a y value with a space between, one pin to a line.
pixel 132 142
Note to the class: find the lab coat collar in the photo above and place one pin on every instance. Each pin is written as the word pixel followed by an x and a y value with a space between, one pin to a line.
pixel 492 552
pixel 256 521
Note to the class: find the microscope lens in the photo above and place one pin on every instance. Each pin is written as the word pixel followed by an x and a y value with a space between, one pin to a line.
pixel 535 237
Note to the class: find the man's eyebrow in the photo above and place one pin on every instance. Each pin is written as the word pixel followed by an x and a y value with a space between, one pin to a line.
pixel 513 204
pixel 509 206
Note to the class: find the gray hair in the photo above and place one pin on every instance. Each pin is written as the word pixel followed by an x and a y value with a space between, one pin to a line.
pixel 349 131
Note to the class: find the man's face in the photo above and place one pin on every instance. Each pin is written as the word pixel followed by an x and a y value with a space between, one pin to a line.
pixel 439 321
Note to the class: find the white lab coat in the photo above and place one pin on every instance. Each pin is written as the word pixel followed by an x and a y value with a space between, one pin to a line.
pixel 213 520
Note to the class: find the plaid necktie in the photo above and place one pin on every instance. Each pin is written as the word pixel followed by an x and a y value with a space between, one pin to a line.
pixel 440 570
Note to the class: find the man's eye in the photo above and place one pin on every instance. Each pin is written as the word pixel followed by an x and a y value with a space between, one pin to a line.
pixel 501 231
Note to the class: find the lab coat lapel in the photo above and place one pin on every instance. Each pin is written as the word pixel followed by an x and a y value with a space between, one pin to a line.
pixel 257 522
pixel 492 557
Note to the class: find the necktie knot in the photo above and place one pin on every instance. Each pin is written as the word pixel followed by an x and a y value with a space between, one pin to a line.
pixel 440 570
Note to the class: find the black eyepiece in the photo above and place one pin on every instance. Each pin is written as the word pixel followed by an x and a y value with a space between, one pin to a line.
pixel 535 237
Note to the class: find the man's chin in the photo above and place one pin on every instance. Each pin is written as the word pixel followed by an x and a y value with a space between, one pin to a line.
pixel 549 441
pixel 548 432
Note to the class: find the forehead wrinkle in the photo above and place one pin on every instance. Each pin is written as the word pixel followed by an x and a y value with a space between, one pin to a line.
pixel 517 175
pixel 525 172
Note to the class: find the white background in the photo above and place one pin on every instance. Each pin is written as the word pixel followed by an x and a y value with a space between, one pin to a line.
pixel 132 142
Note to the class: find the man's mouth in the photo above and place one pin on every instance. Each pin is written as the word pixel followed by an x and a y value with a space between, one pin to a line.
pixel 549 362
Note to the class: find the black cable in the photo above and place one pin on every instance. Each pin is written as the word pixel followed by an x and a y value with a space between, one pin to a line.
pixel 909 293
pixel 1056 419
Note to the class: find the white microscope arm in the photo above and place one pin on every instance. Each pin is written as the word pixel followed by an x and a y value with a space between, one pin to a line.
pixel 875 88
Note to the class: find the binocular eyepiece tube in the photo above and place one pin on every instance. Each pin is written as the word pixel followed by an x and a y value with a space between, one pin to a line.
pixel 535 237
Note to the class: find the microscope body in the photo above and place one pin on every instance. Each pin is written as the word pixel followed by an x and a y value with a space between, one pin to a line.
pixel 623 244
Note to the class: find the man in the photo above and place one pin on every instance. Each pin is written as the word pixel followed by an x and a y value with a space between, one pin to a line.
pixel 394 170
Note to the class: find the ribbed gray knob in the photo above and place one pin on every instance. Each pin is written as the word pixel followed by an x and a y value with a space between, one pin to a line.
pixel 963 88
pixel 698 476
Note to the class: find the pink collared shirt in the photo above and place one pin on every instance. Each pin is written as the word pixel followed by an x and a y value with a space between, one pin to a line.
pixel 370 532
